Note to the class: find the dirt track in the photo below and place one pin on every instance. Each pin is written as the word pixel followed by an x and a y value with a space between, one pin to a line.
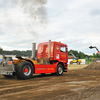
pixel 73 85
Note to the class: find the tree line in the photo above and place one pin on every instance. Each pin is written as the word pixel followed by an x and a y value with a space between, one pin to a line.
pixel 79 54
pixel 16 52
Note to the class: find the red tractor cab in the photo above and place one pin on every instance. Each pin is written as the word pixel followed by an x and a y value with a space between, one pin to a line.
pixel 56 62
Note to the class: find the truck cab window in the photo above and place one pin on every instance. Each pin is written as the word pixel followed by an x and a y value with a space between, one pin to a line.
pixel 63 49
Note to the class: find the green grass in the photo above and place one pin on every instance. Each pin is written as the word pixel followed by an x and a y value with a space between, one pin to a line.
pixel 88 62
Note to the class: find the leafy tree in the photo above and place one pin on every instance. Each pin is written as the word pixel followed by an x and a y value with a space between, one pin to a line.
pixel 1 51
pixel 94 55
pixel 80 54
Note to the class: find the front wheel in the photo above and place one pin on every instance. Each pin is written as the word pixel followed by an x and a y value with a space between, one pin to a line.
pixel 24 70
pixel 59 70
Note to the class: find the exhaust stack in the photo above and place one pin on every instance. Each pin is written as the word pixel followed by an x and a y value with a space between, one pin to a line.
pixel 49 49
pixel 33 50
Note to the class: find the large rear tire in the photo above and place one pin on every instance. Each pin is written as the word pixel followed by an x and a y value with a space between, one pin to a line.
pixel 24 70
pixel 59 70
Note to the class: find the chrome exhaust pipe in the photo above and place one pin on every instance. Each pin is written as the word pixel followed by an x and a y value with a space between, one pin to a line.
pixel 49 49
pixel 33 50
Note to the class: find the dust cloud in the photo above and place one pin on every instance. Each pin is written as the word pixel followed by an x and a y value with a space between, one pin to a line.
pixel 27 15
pixel 35 8
pixel 37 14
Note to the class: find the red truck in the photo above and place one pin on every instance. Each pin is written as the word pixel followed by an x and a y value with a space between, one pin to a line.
pixel 52 57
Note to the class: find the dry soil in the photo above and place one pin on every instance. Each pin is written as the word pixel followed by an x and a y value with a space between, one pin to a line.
pixel 72 85
pixel 93 66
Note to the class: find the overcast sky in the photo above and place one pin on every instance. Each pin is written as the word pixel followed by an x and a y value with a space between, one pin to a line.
pixel 73 22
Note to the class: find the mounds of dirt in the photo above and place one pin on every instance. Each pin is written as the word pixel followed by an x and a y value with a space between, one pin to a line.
pixel 93 66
